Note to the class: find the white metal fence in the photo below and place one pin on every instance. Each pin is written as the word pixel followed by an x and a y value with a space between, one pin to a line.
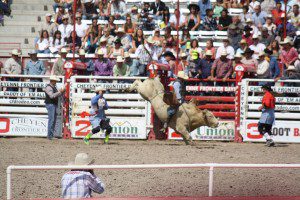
pixel 211 167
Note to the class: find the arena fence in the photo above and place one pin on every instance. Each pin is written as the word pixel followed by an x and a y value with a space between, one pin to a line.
pixel 211 167
pixel 22 110
pixel 129 113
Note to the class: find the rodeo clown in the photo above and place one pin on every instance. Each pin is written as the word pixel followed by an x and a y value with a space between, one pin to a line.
pixel 97 116
pixel 268 115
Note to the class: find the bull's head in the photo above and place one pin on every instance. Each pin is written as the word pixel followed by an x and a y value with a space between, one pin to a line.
pixel 210 119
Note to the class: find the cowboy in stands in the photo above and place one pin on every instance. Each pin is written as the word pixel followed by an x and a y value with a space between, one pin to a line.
pixel 268 115
pixel 174 100
pixel 80 183
pixel 97 116
pixel 51 101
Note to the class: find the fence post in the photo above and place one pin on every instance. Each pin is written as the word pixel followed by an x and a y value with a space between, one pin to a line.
pixel 8 183
pixel 211 181
pixel 239 69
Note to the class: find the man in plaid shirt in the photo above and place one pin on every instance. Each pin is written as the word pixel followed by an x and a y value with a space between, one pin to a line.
pixel 80 183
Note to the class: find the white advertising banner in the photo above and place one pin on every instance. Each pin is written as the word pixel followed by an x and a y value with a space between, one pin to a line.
pixel 224 132
pixel 122 128
pixel 283 131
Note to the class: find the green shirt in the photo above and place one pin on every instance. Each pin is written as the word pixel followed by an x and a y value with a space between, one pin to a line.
pixel 123 71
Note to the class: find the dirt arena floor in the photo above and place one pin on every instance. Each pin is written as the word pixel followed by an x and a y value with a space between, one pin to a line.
pixel 164 182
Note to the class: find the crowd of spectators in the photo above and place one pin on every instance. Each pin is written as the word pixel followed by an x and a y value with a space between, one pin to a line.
pixel 255 38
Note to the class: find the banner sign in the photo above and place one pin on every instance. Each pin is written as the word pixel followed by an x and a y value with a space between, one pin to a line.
pixel 122 128
pixel 283 131
pixel 22 102
pixel 276 89
pixel 210 89
pixel 23 94
pixel 109 86
pixel 224 132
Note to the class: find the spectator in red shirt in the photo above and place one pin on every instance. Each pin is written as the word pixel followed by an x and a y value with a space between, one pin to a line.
pixel 277 14
pixel 248 35
pixel 289 54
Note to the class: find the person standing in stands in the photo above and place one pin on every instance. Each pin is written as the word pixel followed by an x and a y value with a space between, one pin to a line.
pixel 97 116
pixel 51 101
pixel 12 66
pixel 58 67
pixel 268 115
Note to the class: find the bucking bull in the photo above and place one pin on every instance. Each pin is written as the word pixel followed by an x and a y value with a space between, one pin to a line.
pixel 187 118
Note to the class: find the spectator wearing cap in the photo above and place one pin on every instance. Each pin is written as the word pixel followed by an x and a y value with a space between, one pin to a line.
pixel 204 5
pixel 245 15
pixel 184 64
pixel 276 13
pixel 56 42
pixel 249 23
pixel 43 43
pixel 12 66
pixel 263 68
pixel 243 46
pixel 132 64
pixel 89 65
pixel 58 67
pixel 124 38
pixel 174 22
pixel 81 28
pixel 289 54
pixel 157 37
pixel 146 53
pixel 266 38
pixel 257 47
pixel 292 74
pixel 149 23
pixel 268 5
pixel 158 7
pixel 250 64
pixel 80 183
pixel 209 21
pixel 117 50
pixel 237 60
pixel 117 9
pixel 295 16
pixel 192 21
pixel 252 5
pixel 290 29
pixel 129 27
pixel 225 47
pixel 247 36
pixel 48 25
pixel 259 16
pixel 271 27
pixel 103 66
pixel 34 66
pixel 224 21
pixel 221 67
pixel 89 9
pixel 205 65
pixel 104 47
pixel 233 36
pixel 65 28
pixel 58 18
pixel 120 68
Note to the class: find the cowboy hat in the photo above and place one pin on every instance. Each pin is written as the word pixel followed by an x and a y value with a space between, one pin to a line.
pixel 82 159
pixel 291 68
pixel 248 20
pixel 261 54
pixel 82 52
pixel 195 6
pixel 54 78
pixel 238 55
pixel 100 52
pixel 103 39
pixel 15 52
pixel 120 30
pixel 248 50
pixel 87 1
pixel 32 52
pixel 208 53
pixel 182 55
pixel 126 55
pixel 286 41
pixel 243 41
pixel 120 59
pixel 99 88
pixel 48 15
pixel 150 40
pixel 267 87
pixel 65 17
pixel 63 50
pixel 255 36
pixel 182 75
pixel 169 53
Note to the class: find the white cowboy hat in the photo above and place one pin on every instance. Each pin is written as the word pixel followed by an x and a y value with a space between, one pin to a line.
pixel 48 15
pixel 261 54
pixel 182 75
pixel 87 1
pixel 126 55
pixel 120 59
pixel 65 17
pixel 208 53
pixel 54 78
pixel 224 53
pixel 15 52
pixel 255 36
pixel 238 55
pixel 150 40
pixel 286 41
pixel 182 55
pixel 291 68
pixel 248 20
pixel 99 88
pixel 282 15
pixel 32 52
pixel 120 30
pixel 100 52
pixel 82 159
pixel 103 39
pixel 63 50
pixel 81 52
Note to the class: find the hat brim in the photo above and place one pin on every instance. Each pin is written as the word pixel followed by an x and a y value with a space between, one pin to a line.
pixel 54 79
pixel 92 161
pixel 183 77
